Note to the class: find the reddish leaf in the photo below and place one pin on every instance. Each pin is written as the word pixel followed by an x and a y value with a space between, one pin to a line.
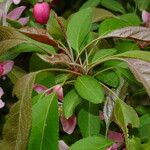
pixel 56 59
pixel 38 34
pixel 138 33
pixel 141 70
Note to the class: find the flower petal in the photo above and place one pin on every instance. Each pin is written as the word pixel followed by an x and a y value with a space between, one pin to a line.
pixel 2 104
pixel 68 124
pixel 116 136
pixel 62 145
pixel 1 92
pixel 39 88
pixel 16 1
pixel 59 90
pixel 145 16
pixel 6 66
pixel 16 13
pixel 23 21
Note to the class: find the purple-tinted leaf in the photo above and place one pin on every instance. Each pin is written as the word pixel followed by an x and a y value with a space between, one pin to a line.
pixel 138 33
pixel 23 21
pixel 108 111
pixel 56 59
pixel 62 145
pixel 16 13
pixel 38 34
pixel 68 124
pixel 141 70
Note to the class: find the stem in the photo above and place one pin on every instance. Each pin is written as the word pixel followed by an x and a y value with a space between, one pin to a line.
pixel 111 91
pixel 103 60
pixel 100 37
pixel 64 32
pixel 60 70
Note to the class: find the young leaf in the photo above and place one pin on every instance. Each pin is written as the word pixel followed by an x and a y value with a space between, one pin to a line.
pixel 112 5
pixel 91 143
pixel 141 71
pixel 138 33
pixel 88 120
pixel 90 3
pixel 15 74
pixel 134 144
pixel 111 24
pixel 89 89
pixel 144 130
pixel 17 127
pixel 125 115
pixel 44 132
pixel 143 55
pixel 102 53
pixel 71 100
pixel 78 28
pixel 100 14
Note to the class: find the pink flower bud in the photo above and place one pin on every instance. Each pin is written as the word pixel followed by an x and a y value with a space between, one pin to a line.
pixel 145 16
pixel 41 12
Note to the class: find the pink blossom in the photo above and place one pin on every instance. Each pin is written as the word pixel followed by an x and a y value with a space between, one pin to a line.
pixel 41 12
pixel 6 67
pixel 2 104
pixel 62 145
pixel 117 138
pixel 68 124
pixel 57 88
pixel 16 1
pixel 145 16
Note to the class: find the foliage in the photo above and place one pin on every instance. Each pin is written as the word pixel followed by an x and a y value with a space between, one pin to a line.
pixel 88 68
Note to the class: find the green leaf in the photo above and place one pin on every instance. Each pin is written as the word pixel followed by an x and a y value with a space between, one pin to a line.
pixel 143 4
pixel 112 5
pixel 110 78
pixel 143 55
pixel 90 3
pixel 78 28
pixel 144 129
pixel 131 18
pixel 9 38
pixel 14 23
pixel 126 46
pixel 15 74
pixel 134 144
pixel 100 14
pixel 111 24
pixel 103 53
pixel 17 126
pixel 71 101
pixel 88 120
pixel 125 115
pixel 53 27
pixel 89 89
pixel 91 143
pixel 45 124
